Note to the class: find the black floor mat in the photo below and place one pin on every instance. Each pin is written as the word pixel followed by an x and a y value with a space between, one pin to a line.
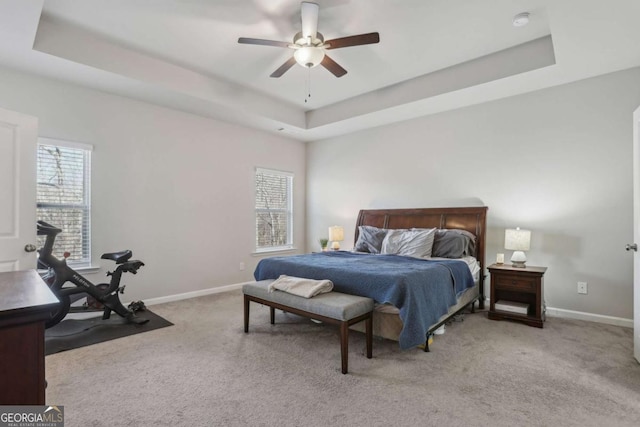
pixel 74 333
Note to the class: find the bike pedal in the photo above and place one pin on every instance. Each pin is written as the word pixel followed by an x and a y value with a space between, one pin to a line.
pixel 137 306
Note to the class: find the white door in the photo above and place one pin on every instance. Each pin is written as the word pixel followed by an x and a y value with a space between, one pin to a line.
pixel 18 136
pixel 636 234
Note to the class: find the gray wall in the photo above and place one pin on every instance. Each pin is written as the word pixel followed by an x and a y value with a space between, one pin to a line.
pixel 176 188
pixel 556 161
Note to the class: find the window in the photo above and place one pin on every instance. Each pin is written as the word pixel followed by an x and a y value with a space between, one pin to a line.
pixel 274 210
pixel 64 198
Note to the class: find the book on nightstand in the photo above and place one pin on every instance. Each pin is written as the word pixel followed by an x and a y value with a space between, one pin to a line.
pixel 512 307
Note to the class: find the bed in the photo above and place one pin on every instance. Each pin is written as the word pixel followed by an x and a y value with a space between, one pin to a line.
pixel 414 295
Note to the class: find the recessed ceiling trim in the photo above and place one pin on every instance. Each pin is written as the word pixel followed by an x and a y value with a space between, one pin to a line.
pixel 78 45
pixel 519 59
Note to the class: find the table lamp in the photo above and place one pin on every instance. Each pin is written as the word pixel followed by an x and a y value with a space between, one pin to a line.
pixel 336 235
pixel 517 240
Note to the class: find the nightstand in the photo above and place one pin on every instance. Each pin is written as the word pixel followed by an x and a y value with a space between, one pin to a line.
pixel 517 294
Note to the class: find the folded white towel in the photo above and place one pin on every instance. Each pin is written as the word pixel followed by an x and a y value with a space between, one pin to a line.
pixel 300 286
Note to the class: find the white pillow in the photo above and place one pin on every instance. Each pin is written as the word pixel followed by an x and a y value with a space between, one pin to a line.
pixel 416 243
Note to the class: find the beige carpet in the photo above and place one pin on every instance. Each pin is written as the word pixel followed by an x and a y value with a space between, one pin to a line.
pixel 205 371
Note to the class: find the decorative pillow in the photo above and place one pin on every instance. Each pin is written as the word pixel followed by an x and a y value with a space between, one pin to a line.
pixel 370 239
pixel 453 244
pixel 416 243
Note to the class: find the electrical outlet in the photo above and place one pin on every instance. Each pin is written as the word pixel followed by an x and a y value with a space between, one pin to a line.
pixel 582 287
pixel 242 266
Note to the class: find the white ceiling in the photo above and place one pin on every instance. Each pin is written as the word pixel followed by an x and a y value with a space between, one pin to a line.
pixel 434 55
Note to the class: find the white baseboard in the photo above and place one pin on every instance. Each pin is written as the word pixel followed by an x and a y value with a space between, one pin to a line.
pixel 194 294
pixel 580 315
pixel 552 312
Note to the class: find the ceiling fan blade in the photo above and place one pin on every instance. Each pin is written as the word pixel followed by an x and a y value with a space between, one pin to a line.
pixel 358 40
pixel 284 68
pixel 333 66
pixel 309 14
pixel 262 42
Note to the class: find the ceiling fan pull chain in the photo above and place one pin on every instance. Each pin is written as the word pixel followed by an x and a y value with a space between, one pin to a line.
pixel 309 76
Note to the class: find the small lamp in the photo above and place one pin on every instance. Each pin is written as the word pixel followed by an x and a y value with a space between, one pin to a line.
pixel 336 235
pixel 517 240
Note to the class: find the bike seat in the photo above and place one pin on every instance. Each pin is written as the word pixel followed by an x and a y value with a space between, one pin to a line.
pixel 118 257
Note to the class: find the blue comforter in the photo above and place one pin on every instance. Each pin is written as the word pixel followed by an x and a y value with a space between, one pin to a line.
pixel 423 290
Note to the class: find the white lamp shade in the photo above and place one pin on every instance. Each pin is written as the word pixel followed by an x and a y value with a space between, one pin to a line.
pixel 517 240
pixel 336 233
pixel 309 56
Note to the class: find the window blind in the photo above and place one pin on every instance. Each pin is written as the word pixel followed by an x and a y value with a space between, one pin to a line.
pixel 274 209
pixel 63 199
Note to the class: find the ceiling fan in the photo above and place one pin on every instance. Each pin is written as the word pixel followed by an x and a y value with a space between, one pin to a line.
pixel 309 45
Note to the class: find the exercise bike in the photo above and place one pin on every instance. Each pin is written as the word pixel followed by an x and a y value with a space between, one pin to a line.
pixel 102 297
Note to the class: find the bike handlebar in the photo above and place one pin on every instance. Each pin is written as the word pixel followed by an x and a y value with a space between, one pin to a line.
pixel 131 266
pixel 44 228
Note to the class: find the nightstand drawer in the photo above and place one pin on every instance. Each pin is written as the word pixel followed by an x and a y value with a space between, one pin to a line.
pixel 516 283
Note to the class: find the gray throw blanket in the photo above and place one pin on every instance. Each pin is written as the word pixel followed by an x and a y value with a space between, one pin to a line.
pixel 300 286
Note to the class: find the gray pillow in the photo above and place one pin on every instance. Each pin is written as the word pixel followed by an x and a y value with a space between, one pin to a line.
pixel 453 244
pixel 415 242
pixel 370 239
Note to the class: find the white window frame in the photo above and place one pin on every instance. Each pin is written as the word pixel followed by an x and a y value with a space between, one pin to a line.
pixel 288 210
pixel 85 261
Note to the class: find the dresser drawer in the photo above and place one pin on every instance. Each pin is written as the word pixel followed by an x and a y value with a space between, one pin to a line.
pixel 516 283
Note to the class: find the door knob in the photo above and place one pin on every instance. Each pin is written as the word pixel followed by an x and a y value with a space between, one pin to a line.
pixel 32 248
pixel 632 247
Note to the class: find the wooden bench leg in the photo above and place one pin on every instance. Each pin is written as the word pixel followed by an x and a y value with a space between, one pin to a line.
pixel 369 336
pixel 246 314
pixel 344 325
pixel 344 346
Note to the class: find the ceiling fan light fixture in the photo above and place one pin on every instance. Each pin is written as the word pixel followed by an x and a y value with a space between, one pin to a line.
pixel 309 56
pixel 309 47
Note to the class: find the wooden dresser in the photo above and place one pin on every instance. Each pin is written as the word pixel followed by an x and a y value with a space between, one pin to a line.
pixel 25 303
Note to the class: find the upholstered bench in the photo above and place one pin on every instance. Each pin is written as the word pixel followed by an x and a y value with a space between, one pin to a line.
pixel 331 307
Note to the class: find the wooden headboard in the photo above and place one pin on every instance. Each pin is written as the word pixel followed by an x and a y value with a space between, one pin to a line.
pixel 471 219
